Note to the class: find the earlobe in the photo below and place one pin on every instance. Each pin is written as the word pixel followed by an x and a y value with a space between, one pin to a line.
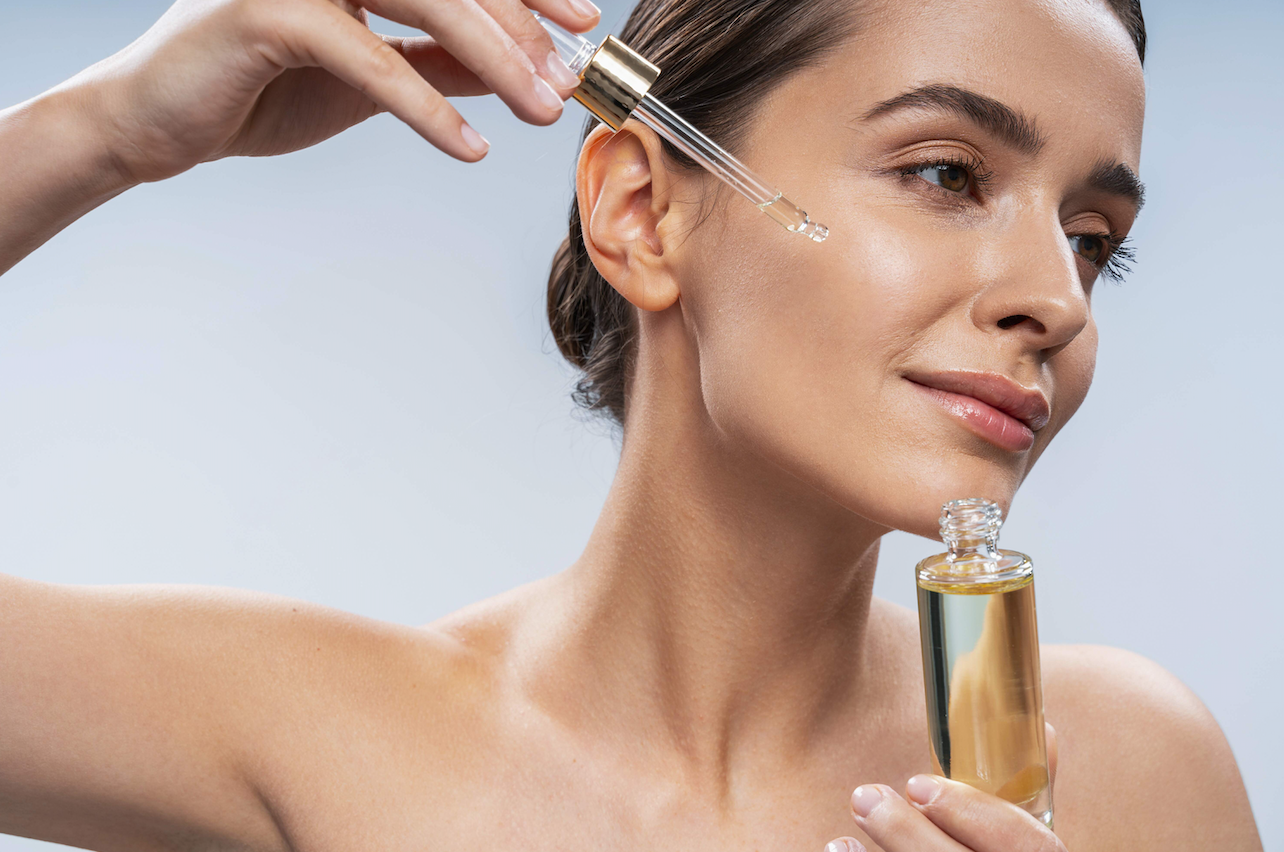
pixel 622 188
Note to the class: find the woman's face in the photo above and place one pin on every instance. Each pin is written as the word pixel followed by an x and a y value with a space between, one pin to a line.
pixel 974 160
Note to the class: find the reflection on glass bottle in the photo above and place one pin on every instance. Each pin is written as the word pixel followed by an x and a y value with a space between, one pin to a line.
pixel 981 661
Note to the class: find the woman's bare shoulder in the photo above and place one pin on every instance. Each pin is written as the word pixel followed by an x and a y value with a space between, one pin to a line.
pixel 409 720
pixel 445 672
pixel 1142 763
pixel 215 711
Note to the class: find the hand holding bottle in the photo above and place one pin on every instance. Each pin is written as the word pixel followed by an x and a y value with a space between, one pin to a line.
pixel 938 815
pixel 221 78
pixel 217 78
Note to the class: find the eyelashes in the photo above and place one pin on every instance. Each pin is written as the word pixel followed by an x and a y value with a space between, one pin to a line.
pixel 957 179
pixel 1120 260
pixel 1110 254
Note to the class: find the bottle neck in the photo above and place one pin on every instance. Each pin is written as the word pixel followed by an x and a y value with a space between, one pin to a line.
pixel 973 548
pixel 970 529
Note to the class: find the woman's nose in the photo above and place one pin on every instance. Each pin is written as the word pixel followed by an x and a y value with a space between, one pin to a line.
pixel 1035 291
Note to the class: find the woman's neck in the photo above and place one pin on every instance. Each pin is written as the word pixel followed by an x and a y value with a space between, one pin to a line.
pixel 720 606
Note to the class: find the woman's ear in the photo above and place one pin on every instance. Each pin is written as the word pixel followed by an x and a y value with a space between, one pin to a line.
pixel 622 187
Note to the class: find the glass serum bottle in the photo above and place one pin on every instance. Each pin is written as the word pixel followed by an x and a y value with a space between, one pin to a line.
pixel 981 661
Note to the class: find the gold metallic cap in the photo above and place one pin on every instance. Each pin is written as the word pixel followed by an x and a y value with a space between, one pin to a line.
pixel 614 81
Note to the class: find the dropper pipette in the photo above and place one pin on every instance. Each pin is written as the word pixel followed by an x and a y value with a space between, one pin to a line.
pixel 614 80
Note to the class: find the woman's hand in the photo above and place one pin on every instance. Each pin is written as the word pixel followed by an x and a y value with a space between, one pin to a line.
pixel 219 78
pixel 938 815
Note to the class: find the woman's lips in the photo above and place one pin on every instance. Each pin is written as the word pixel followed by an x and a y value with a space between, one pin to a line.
pixel 993 407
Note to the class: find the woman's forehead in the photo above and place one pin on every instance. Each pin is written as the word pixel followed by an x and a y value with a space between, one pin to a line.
pixel 1070 66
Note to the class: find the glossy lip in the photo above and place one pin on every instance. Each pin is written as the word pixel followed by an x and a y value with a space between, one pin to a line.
pixel 994 406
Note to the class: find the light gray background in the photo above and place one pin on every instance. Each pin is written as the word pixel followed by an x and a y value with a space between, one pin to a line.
pixel 328 376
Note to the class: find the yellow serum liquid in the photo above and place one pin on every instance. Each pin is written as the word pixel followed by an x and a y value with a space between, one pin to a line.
pixel 981 673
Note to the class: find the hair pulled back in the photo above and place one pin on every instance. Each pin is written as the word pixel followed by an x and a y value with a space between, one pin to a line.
pixel 720 59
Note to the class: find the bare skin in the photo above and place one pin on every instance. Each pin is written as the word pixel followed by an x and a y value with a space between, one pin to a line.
pixel 713 672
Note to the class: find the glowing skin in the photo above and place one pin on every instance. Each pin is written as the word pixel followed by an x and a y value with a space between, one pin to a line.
pixel 919 280
pixel 713 672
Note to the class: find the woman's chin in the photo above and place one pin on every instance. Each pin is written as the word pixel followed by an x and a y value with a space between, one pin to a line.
pixel 917 495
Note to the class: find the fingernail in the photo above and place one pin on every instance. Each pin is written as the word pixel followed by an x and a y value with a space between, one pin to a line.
pixel 923 788
pixel 865 799
pixel 473 139
pixel 585 8
pixel 544 92
pixel 845 844
pixel 561 75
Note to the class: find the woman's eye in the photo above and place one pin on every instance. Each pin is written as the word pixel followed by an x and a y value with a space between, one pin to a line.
pixel 950 177
pixel 1090 248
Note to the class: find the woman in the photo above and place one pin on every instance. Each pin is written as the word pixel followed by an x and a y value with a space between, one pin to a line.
pixel 713 671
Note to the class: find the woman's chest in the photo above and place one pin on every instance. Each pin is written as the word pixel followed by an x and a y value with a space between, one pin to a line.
pixel 539 798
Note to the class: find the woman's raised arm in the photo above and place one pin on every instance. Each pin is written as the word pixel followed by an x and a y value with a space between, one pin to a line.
pixel 219 78
pixel 118 727
pixel 149 718
pixel 129 716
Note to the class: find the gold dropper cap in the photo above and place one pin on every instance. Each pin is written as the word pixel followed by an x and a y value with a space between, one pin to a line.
pixel 614 82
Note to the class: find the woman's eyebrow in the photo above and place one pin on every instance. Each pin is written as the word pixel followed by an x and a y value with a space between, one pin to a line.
pixel 1010 125
pixel 1118 179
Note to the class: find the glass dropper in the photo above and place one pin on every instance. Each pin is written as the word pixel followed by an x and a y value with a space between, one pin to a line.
pixel 613 85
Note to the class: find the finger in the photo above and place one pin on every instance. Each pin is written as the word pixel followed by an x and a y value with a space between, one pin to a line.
pixel 979 821
pixel 894 825
pixel 534 40
pixel 578 16
pixel 443 72
pixel 353 9
pixel 845 844
pixel 323 35
pixel 477 40
pixel 1051 733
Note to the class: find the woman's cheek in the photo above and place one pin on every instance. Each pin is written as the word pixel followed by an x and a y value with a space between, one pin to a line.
pixel 822 325
pixel 1072 371
pixel 899 280
pixel 801 352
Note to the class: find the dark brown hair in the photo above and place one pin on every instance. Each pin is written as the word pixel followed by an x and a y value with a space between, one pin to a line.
pixel 720 59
